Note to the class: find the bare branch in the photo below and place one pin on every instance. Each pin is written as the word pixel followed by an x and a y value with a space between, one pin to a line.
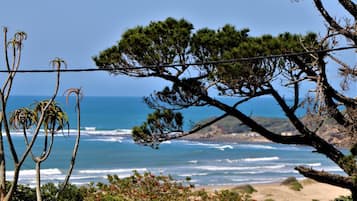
pixel 325 177
pixel 333 23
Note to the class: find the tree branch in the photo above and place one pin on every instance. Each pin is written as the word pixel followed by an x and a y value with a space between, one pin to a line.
pixel 325 177
pixel 177 135
pixel 350 7
pixel 333 23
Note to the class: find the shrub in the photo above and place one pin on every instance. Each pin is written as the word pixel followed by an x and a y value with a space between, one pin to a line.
pixel 293 183
pixel 344 198
pixel 245 189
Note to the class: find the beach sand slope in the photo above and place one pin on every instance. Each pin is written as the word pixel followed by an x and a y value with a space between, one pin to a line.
pixel 311 191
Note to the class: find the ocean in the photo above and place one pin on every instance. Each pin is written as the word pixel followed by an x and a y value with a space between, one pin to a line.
pixel 106 148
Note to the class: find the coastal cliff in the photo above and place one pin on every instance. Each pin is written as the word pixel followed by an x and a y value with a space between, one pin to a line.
pixel 230 129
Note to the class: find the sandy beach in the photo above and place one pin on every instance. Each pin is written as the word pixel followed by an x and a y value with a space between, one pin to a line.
pixel 312 190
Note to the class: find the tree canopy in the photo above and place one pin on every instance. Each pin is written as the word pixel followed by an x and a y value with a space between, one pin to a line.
pixel 233 63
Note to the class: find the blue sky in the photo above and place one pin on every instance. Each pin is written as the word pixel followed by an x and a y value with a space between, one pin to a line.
pixel 77 30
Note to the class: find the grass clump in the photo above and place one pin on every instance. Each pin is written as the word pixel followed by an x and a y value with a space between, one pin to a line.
pixel 344 198
pixel 293 183
pixel 249 189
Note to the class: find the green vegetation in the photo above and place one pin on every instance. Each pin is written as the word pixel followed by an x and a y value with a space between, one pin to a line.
pixel 293 183
pixel 138 187
pixel 269 199
pixel 344 198
pixel 249 189
pixel 231 124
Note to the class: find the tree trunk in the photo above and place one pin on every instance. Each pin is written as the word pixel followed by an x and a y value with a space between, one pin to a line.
pixel 38 181
pixel 2 169
pixel 354 193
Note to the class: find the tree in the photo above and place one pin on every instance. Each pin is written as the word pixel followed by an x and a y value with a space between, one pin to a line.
pixel 235 64
pixel 46 115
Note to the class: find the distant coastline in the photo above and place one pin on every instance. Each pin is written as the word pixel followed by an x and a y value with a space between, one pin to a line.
pixel 230 129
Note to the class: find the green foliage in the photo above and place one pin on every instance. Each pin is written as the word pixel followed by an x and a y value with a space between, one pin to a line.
pixel 48 192
pixel 344 198
pixel 22 192
pixel 145 187
pixel 139 187
pixel 70 193
pixel 55 118
pixel 156 126
pixel 245 189
pixel 293 183
pixel 230 196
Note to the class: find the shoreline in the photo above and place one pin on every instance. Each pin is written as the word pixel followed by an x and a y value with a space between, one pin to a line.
pixel 311 190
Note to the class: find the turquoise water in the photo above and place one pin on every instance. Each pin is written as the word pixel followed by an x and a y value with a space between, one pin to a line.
pixel 104 150
pixel 109 113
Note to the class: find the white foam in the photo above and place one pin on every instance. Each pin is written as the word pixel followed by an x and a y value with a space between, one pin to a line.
pixel 273 158
pixel 256 146
pixel 193 174
pixel 227 168
pixel 222 148
pixel 111 171
pixel 314 164
pixel 115 132
pixel 200 144
pixel 109 139
pixel 193 161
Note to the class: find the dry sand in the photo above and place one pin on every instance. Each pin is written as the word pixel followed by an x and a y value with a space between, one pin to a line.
pixel 311 191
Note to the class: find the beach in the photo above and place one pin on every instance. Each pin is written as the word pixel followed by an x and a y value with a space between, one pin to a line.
pixel 311 190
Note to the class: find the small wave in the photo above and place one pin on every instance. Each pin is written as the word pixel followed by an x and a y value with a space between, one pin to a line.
pixel 112 139
pixel 32 173
pixel 193 161
pixel 314 164
pixel 256 146
pixel 231 161
pixel 166 142
pixel 115 132
pixel 101 171
pixel 192 174
pixel 330 169
pixel 222 148
pixel 199 144
pixel 227 168
pixel 274 158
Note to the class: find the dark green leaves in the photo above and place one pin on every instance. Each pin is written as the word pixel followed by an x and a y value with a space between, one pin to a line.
pixel 158 124
pixel 158 43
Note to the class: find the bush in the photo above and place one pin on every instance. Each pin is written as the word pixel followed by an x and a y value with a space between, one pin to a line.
pixel 245 189
pixel 344 198
pixel 138 187
pixel 293 183
pixel 22 192
pixel 70 193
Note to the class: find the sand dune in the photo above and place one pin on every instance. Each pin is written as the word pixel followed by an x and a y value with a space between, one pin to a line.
pixel 311 191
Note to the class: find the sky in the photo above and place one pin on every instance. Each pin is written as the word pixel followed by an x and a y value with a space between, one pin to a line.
pixel 78 30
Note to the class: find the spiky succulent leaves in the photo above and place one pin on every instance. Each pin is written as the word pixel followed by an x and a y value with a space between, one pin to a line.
pixel 157 126
pixel 23 118
pixel 55 118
